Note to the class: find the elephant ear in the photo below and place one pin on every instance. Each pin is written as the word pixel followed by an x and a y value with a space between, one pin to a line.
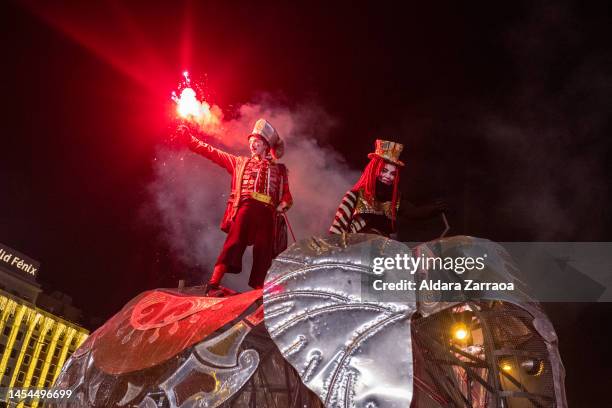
pixel 349 345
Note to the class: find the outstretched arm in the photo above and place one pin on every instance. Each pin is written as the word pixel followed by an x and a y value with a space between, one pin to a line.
pixel 413 212
pixel 344 214
pixel 218 156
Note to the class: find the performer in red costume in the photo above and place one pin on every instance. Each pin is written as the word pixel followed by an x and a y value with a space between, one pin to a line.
pixel 260 191
pixel 372 205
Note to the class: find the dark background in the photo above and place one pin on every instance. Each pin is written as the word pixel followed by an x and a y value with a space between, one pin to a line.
pixel 504 109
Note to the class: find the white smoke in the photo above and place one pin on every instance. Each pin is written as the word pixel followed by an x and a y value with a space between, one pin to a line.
pixel 190 192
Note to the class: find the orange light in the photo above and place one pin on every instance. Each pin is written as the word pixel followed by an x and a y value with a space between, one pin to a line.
pixel 533 366
pixel 506 367
pixel 460 332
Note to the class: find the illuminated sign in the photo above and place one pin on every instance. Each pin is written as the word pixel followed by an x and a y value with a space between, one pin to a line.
pixel 17 262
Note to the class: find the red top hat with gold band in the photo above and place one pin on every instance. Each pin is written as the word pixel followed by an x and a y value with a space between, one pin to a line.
pixel 389 151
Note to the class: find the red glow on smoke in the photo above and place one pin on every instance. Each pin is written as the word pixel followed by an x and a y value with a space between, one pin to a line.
pixel 130 38
pixel 123 44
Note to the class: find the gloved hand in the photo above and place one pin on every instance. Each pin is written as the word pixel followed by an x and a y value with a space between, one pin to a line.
pixel 183 133
pixel 437 207
pixel 282 207
pixel 411 211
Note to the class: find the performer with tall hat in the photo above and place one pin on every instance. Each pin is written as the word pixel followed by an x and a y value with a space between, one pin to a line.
pixel 372 205
pixel 259 195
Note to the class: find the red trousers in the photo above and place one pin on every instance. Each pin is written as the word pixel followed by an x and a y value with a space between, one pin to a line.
pixel 253 225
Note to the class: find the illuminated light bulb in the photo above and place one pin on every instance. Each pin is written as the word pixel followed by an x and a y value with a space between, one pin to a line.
pixel 506 367
pixel 460 332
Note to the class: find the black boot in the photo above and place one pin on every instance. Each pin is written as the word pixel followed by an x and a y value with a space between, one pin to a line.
pixel 213 290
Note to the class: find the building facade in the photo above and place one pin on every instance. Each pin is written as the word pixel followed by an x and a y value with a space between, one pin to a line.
pixel 36 332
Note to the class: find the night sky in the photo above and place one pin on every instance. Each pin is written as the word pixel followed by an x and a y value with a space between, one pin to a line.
pixel 504 110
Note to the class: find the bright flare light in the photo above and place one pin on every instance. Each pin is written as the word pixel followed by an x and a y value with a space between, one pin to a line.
pixel 188 105
pixel 189 108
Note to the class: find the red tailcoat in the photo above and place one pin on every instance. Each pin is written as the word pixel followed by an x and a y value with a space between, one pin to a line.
pixel 235 165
